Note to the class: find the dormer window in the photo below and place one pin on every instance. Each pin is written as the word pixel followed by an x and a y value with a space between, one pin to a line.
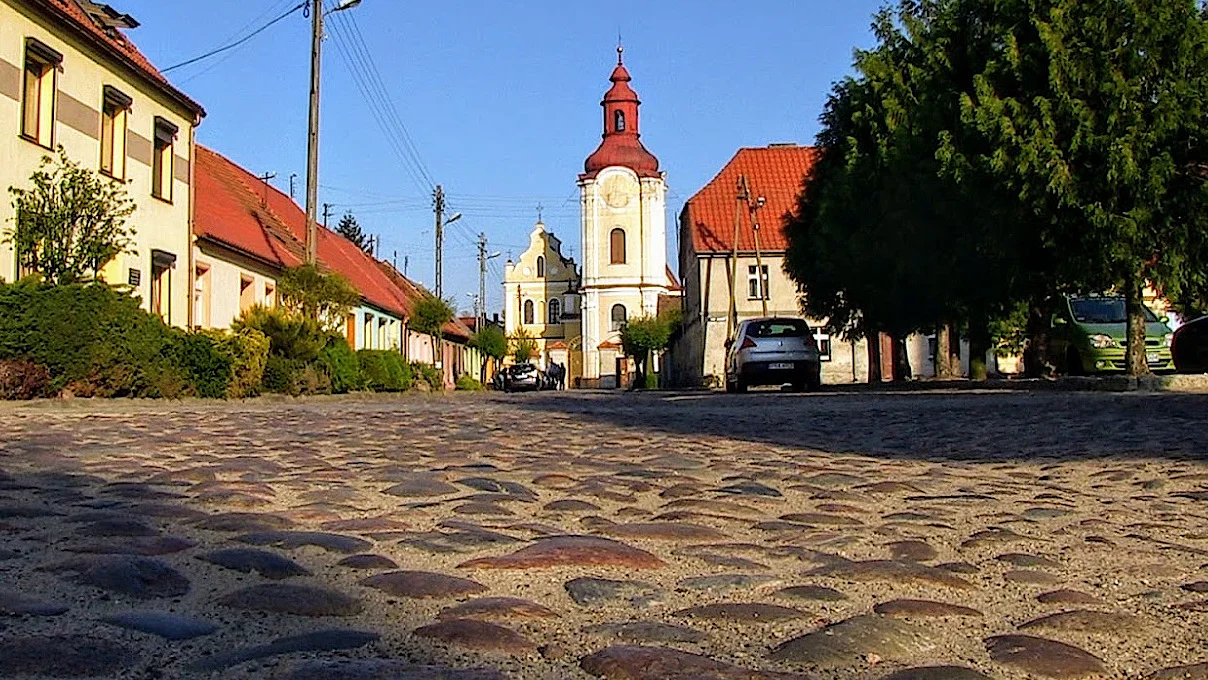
pixel 618 121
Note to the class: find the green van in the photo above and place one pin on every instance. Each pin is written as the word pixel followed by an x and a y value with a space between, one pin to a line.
pixel 1090 333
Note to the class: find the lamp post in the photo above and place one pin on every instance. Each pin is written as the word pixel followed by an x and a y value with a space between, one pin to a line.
pixel 312 141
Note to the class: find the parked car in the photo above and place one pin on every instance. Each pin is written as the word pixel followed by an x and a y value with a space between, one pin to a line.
pixel 523 377
pixel 1090 334
pixel 773 351
pixel 1190 346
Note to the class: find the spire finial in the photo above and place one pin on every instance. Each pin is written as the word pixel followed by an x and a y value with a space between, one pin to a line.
pixel 540 210
pixel 620 47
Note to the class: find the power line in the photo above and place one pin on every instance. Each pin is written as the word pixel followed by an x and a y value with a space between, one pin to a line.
pixel 235 44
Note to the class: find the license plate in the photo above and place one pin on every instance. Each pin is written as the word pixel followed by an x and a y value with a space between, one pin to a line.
pixel 1153 358
pixel 781 367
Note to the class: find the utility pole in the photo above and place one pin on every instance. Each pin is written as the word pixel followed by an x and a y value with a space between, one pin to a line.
pixel 732 312
pixel 326 213
pixel 406 263
pixel 761 284
pixel 482 276
pixel 438 204
pixel 312 137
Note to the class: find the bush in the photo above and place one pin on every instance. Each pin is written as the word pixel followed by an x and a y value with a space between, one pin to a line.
pixel 23 379
pixel 280 374
pixel 247 349
pixel 468 384
pixel 207 364
pixel 91 338
pixel 290 334
pixel 384 370
pixel 429 374
pixel 341 365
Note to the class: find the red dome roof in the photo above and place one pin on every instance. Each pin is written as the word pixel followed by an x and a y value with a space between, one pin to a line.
pixel 622 145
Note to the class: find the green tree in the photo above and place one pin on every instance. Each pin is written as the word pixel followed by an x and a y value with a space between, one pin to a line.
pixel 430 314
pixel 642 336
pixel 325 297
pixel 70 223
pixel 350 229
pixel 524 347
pixel 490 340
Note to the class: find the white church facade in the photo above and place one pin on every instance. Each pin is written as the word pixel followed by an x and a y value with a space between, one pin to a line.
pixel 624 274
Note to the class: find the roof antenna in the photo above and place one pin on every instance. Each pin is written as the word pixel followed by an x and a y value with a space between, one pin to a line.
pixel 265 178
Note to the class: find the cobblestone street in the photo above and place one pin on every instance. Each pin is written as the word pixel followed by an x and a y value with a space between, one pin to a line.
pixel 934 536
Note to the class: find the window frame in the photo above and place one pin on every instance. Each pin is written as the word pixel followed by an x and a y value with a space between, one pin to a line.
pixel 618 121
pixel 613 248
pixel 554 311
pixel 825 346
pixel 115 114
pixel 614 323
pixel 540 266
pixel 528 313
pixel 163 142
pixel 753 277
pixel 48 62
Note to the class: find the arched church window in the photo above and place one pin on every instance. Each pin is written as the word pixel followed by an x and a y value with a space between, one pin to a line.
pixel 528 312
pixel 618 317
pixel 555 312
pixel 616 242
pixel 618 121
pixel 540 266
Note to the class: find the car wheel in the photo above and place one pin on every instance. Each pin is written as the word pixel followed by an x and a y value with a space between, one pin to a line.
pixel 731 387
pixel 740 386
pixel 813 382
pixel 1073 363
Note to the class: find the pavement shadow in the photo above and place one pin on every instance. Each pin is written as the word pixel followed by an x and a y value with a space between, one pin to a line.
pixel 967 425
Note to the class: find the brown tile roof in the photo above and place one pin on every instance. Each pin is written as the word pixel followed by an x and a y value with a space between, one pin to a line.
pixel 774 172
pixel 116 44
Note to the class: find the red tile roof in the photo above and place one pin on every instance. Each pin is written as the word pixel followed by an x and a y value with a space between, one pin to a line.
pixel 238 210
pixel 228 211
pixel 116 44
pixel 774 172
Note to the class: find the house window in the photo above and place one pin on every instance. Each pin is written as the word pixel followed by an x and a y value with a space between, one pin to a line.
pixel 757 284
pixel 162 264
pixel 115 112
pixel 38 96
pixel 382 344
pixel 616 246
pixel 824 346
pixel 368 339
pixel 162 160
pixel 201 297
pixel 618 121
pixel 270 294
pixel 555 312
pixel 247 293
pixel 618 317
pixel 540 266
pixel 529 315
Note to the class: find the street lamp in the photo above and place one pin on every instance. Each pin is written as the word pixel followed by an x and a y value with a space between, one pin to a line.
pixel 312 141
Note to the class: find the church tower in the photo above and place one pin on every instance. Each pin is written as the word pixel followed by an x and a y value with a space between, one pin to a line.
pixel 622 204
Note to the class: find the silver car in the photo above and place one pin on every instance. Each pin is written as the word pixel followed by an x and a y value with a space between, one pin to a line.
pixel 773 351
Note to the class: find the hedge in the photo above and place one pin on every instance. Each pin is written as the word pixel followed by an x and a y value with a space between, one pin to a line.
pixel 341 365
pixel 384 370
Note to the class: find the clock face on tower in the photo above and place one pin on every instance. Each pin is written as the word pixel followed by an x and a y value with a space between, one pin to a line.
pixel 618 190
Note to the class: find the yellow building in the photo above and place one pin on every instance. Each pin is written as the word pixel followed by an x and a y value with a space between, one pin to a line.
pixel 70 77
pixel 541 294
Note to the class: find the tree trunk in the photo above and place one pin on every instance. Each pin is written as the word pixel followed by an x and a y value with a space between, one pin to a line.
pixel 874 358
pixel 1036 353
pixel 901 361
pixel 979 345
pixel 1134 303
pixel 947 367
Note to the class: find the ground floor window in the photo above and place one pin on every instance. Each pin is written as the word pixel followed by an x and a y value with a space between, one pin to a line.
pixel 824 346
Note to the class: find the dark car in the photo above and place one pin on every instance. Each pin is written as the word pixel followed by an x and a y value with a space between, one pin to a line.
pixel 1190 346
pixel 523 377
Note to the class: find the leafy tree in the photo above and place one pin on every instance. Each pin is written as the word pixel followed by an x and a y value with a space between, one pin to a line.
pixel 71 223
pixel 325 297
pixel 350 229
pixel 1092 112
pixel 490 340
pixel 644 335
pixel 430 314
pixel 524 347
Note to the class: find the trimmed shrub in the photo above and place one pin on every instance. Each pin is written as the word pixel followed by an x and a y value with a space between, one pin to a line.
pixel 468 384
pixel 23 379
pixel 429 374
pixel 248 350
pixel 207 364
pixel 341 365
pixel 91 338
pixel 280 374
pixel 384 370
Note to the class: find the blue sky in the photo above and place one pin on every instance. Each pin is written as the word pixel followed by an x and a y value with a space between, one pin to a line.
pixel 501 101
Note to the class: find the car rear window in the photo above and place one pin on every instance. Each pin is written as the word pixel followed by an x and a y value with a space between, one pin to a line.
pixel 779 328
pixel 1103 310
